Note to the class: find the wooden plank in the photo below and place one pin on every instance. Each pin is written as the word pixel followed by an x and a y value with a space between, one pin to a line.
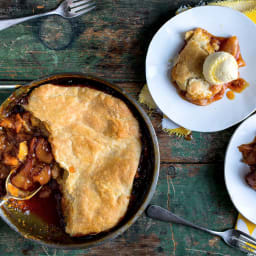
pixel 196 192
pixel 110 42
pixel 203 148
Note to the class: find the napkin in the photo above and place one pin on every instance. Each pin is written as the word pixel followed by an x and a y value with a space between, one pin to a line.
pixel 248 7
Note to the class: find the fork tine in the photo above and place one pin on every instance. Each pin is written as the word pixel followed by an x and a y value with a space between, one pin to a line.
pixel 78 3
pixel 82 7
pixel 84 10
pixel 75 1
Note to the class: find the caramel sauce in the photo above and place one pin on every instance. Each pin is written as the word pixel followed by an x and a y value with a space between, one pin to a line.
pixel 189 137
pixel 72 169
pixel 238 85
pixel 48 209
pixel 230 95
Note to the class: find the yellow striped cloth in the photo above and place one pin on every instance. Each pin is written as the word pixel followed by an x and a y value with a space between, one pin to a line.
pixel 248 7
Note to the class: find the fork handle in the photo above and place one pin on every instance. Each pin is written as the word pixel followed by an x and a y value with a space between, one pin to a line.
pixel 158 213
pixel 6 23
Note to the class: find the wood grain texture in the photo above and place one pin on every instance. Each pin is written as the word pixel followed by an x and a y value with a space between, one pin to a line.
pixel 112 43
pixel 194 191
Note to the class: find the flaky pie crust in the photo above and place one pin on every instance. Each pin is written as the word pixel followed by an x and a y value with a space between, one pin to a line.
pixel 96 138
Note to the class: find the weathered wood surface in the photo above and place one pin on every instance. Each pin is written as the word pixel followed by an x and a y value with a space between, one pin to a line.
pixel 112 43
pixel 195 191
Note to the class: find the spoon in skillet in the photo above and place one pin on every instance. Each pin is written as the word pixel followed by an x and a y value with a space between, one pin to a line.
pixel 232 237
pixel 16 193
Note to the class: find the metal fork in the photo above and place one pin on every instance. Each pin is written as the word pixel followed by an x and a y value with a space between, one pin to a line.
pixel 67 9
pixel 232 237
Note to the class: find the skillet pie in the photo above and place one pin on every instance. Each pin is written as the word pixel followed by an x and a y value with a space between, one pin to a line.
pixel 203 59
pixel 94 140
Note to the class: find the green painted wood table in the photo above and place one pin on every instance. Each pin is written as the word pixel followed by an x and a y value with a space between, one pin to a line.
pixel 111 43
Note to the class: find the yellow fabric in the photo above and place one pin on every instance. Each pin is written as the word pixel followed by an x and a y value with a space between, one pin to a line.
pixel 245 225
pixel 180 131
pixel 248 7
pixel 251 14
pixel 146 98
pixel 239 5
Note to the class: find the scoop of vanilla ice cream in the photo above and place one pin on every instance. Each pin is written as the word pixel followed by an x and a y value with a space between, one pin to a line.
pixel 220 67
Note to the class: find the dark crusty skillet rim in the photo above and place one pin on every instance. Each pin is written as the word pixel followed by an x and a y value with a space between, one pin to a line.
pixel 149 195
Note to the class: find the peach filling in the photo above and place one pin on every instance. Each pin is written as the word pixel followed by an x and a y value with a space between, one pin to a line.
pixel 24 147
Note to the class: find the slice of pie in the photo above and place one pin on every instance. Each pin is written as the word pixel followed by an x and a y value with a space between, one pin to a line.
pixel 187 72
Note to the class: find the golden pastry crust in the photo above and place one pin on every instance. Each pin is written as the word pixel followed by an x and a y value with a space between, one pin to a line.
pixel 96 138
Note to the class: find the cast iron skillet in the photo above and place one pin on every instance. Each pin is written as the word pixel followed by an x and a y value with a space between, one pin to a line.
pixel 34 228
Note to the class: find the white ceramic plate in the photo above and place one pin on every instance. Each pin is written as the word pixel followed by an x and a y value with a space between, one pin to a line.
pixel 165 45
pixel 242 196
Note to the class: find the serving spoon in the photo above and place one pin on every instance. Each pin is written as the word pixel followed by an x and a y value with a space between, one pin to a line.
pixel 13 192
pixel 232 237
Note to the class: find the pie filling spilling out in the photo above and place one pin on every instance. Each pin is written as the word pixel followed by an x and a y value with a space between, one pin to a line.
pixel 249 157
pixel 206 66
pixel 78 140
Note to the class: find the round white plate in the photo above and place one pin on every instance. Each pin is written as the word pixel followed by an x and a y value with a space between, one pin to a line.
pixel 242 196
pixel 164 47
